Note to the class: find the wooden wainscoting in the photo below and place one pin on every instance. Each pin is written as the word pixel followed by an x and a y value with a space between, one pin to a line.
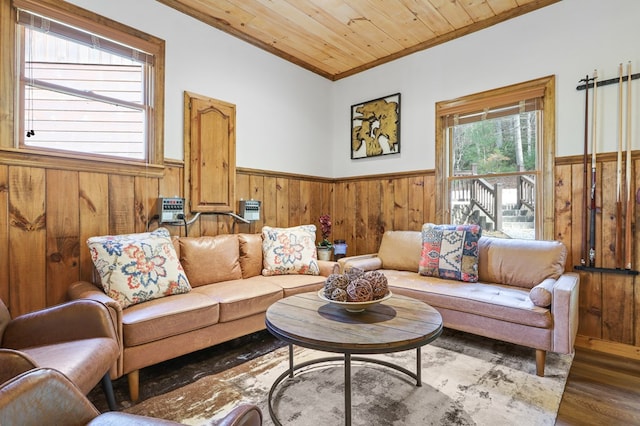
pixel 46 215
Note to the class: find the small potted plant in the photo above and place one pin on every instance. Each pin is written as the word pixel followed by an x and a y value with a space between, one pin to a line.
pixel 325 246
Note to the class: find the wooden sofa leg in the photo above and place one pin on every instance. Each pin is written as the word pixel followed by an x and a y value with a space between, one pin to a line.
pixel 541 356
pixel 134 385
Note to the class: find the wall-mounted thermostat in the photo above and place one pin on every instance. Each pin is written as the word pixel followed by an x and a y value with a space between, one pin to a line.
pixel 250 209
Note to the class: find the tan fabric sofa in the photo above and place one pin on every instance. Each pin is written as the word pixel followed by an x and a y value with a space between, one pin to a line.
pixel 229 298
pixel 512 275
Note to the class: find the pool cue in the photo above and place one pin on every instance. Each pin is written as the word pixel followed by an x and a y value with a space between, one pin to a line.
pixel 627 235
pixel 618 247
pixel 585 162
pixel 592 226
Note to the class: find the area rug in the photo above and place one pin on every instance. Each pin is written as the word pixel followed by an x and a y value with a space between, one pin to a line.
pixel 467 380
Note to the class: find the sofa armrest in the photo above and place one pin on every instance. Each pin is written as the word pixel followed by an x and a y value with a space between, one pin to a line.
pixel 564 309
pixel 366 262
pixel 74 320
pixel 328 267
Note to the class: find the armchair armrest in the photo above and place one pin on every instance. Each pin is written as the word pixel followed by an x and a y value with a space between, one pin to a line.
pixel 14 363
pixel 366 262
pixel 564 309
pixel 243 415
pixel 74 320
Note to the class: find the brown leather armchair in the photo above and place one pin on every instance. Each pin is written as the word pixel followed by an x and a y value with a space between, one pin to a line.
pixel 77 338
pixel 46 396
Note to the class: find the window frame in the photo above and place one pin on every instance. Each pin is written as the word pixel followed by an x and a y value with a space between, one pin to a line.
pixel 12 149
pixel 543 87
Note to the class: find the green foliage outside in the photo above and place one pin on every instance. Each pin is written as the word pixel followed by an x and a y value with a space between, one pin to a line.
pixel 493 145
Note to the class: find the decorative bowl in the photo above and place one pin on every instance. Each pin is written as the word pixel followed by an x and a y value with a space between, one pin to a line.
pixel 354 306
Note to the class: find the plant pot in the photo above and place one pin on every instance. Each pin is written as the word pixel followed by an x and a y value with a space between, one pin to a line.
pixel 324 253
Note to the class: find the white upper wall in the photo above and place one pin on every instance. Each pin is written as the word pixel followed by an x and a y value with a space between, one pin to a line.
pixel 291 120
pixel 569 39
pixel 282 110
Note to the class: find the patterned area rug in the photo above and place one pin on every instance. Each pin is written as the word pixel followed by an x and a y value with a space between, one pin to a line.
pixel 467 380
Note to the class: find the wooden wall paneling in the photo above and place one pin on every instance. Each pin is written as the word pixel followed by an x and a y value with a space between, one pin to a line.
pixel 171 184
pixel 327 197
pixel 618 308
pixel 269 202
pixel 93 208
pixel 63 232
pixel 282 202
pixel 387 204
pixel 243 192
pixel 577 208
pixel 344 225
pixel 374 216
pixel 146 191
pixel 4 234
pixel 306 199
pixel 564 211
pixel 429 199
pixel 27 240
pixel 361 212
pixel 294 201
pixel 606 249
pixel 400 202
pixel 256 186
pixel 121 204
pixel 416 203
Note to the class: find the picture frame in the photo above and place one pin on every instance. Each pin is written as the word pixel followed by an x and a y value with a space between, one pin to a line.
pixel 375 127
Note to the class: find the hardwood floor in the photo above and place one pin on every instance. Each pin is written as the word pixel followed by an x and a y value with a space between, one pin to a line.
pixel 601 390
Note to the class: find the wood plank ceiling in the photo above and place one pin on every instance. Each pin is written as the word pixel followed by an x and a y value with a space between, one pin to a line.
pixel 339 38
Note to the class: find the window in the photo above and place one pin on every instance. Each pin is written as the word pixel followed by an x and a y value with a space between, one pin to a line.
pixel 495 160
pixel 87 87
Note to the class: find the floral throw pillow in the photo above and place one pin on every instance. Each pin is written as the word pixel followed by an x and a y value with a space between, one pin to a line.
pixel 289 250
pixel 450 251
pixel 135 268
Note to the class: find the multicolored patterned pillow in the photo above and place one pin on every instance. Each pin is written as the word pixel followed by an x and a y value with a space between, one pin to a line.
pixel 135 268
pixel 289 250
pixel 450 251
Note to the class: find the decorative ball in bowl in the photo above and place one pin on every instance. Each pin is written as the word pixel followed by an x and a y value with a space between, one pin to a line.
pixel 354 306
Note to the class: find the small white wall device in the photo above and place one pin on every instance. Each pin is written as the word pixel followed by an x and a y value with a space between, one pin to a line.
pixel 250 209
pixel 170 209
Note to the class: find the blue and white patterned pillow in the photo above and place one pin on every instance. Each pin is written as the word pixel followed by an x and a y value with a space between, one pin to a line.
pixel 289 250
pixel 450 251
pixel 134 268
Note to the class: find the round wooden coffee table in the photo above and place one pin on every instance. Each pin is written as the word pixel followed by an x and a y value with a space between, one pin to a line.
pixel 397 324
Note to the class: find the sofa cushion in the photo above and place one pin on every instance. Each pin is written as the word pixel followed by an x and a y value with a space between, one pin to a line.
pixel 242 298
pixel 450 251
pixel 250 254
pixel 162 318
pixel 401 250
pixel 294 284
pixel 134 268
pixel 523 263
pixel 220 254
pixel 289 250
pixel 505 303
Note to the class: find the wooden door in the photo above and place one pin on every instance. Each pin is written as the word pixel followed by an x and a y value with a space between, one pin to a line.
pixel 210 153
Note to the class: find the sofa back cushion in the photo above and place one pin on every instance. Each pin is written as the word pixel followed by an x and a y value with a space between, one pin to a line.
pixel 210 259
pixel 250 254
pixel 522 263
pixel 401 250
